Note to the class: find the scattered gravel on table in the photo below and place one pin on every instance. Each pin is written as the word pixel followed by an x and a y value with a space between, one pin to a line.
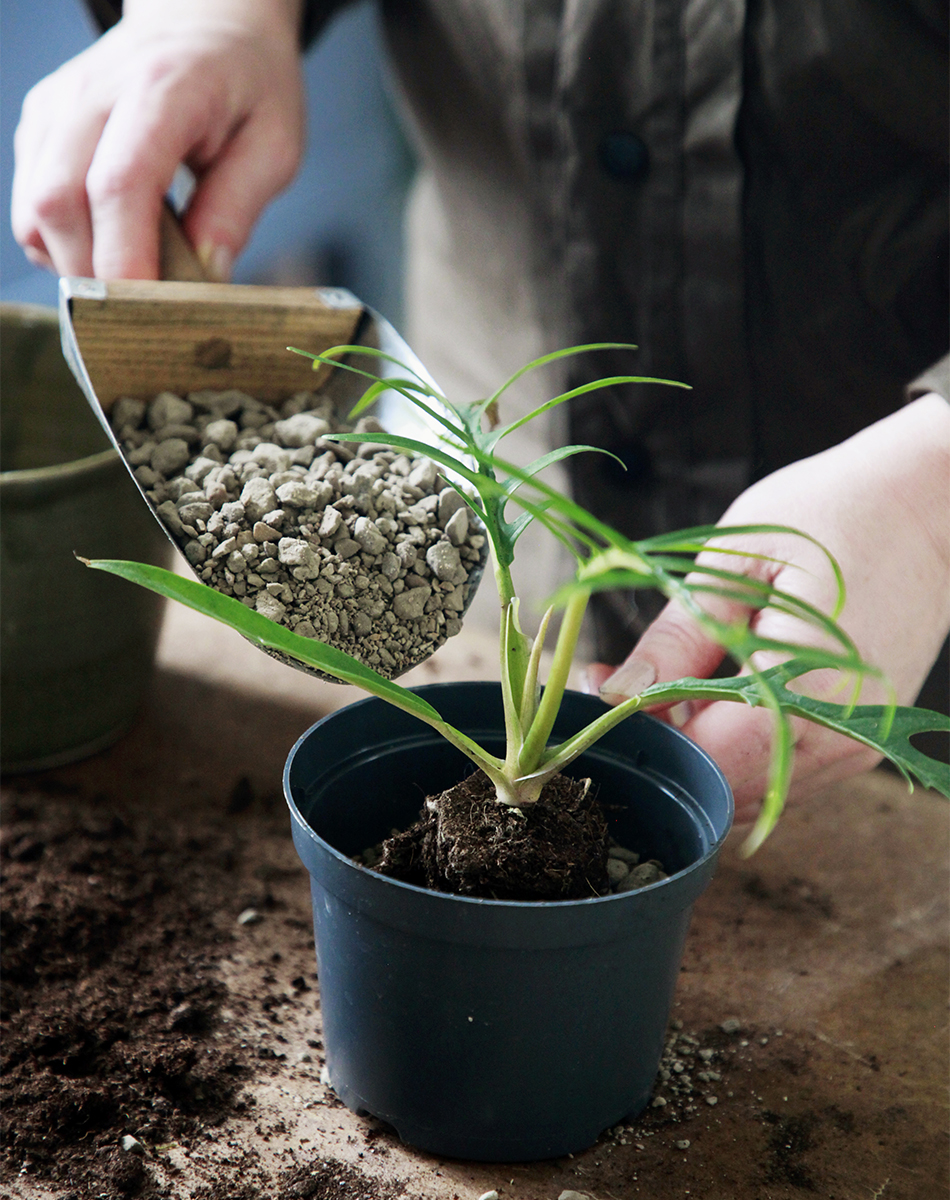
pixel 363 547
pixel 684 1085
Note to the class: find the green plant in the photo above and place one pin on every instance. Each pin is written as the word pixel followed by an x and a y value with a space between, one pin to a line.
pixel 467 449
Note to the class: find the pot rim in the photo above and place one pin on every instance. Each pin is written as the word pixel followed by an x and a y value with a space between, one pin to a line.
pixel 24 315
pixel 427 735
pixel 30 476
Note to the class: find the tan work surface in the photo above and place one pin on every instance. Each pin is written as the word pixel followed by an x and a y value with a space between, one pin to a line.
pixel 829 949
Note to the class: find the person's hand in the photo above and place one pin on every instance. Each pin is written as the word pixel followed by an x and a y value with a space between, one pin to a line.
pixel 214 84
pixel 880 502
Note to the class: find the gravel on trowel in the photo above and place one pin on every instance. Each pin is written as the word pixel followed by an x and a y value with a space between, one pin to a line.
pixel 361 546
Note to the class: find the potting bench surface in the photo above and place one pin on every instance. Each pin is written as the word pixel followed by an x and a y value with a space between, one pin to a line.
pixel 809 1048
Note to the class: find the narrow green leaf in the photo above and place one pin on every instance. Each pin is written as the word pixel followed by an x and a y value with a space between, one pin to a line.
pixel 532 685
pixel 513 663
pixel 331 358
pixel 568 352
pixel 407 388
pixel 436 453
pixel 267 634
pixel 553 456
pixel 583 389
pixel 781 758
pixel 697 538
pixel 375 390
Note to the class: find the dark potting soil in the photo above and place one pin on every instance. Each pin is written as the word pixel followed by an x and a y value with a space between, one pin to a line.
pixel 466 843
pixel 109 997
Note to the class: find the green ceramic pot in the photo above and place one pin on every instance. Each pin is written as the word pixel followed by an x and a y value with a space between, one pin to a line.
pixel 76 646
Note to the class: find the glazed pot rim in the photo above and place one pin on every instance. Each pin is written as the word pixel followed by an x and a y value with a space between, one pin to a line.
pixel 427 735
pixel 25 315
pixel 29 477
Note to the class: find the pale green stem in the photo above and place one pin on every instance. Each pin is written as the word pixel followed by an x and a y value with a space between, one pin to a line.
pixel 514 728
pixel 537 736
pixel 515 652
pixel 529 703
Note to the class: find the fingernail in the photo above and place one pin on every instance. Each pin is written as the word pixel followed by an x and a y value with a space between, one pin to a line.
pixel 630 679
pixel 680 713
pixel 217 261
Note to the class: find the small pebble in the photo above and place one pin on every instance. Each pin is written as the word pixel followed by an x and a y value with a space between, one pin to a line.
pixel 642 876
pixel 712 1101
pixel 169 456
pixel 730 1025
pixel 169 409
pixel 250 916
pixel 682 1144
pixel 492 1195
pixel 132 1145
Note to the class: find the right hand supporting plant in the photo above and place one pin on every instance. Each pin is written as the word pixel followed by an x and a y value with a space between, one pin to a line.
pixel 878 502
pixel 214 84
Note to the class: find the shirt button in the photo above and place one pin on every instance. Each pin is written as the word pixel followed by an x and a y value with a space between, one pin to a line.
pixel 624 156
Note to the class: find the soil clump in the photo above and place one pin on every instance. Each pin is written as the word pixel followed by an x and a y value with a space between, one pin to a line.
pixel 466 843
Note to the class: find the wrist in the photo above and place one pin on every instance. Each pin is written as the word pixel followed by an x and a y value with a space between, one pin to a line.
pixel 921 433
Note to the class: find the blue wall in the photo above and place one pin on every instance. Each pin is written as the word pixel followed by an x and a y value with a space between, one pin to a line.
pixel 340 223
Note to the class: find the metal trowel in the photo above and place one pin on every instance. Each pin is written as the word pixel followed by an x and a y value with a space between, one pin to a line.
pixel 136 338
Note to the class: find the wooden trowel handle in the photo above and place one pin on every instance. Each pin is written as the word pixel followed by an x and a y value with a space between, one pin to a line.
pixel 177 259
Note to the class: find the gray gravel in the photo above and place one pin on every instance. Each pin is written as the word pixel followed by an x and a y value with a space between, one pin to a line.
pixel 625 872
pixel 363 547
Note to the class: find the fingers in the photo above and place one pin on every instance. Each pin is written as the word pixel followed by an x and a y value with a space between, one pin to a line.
pixel 54 146
pixel 131 170
pixel 673 646
pixel 255 165
pixel 631 679
pixel 99 140
pixel 739 740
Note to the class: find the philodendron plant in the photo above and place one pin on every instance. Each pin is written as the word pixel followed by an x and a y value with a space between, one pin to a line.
pixel 468 450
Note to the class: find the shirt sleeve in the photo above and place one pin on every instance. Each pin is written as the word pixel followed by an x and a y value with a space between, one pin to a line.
pixel 313 17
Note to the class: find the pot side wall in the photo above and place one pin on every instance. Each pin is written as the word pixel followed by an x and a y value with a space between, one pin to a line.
pixel 494 1030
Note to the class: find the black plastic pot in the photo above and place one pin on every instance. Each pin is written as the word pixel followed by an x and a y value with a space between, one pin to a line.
pixel 495 1030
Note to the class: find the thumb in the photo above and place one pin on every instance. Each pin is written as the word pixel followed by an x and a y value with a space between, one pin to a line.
pixel 674 645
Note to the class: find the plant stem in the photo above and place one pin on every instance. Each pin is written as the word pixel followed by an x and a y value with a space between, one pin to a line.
pixel 515 650
pixel 537 736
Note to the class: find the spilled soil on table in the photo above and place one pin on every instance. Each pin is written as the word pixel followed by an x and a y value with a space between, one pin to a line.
pixel 110 998
pixel 122 926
